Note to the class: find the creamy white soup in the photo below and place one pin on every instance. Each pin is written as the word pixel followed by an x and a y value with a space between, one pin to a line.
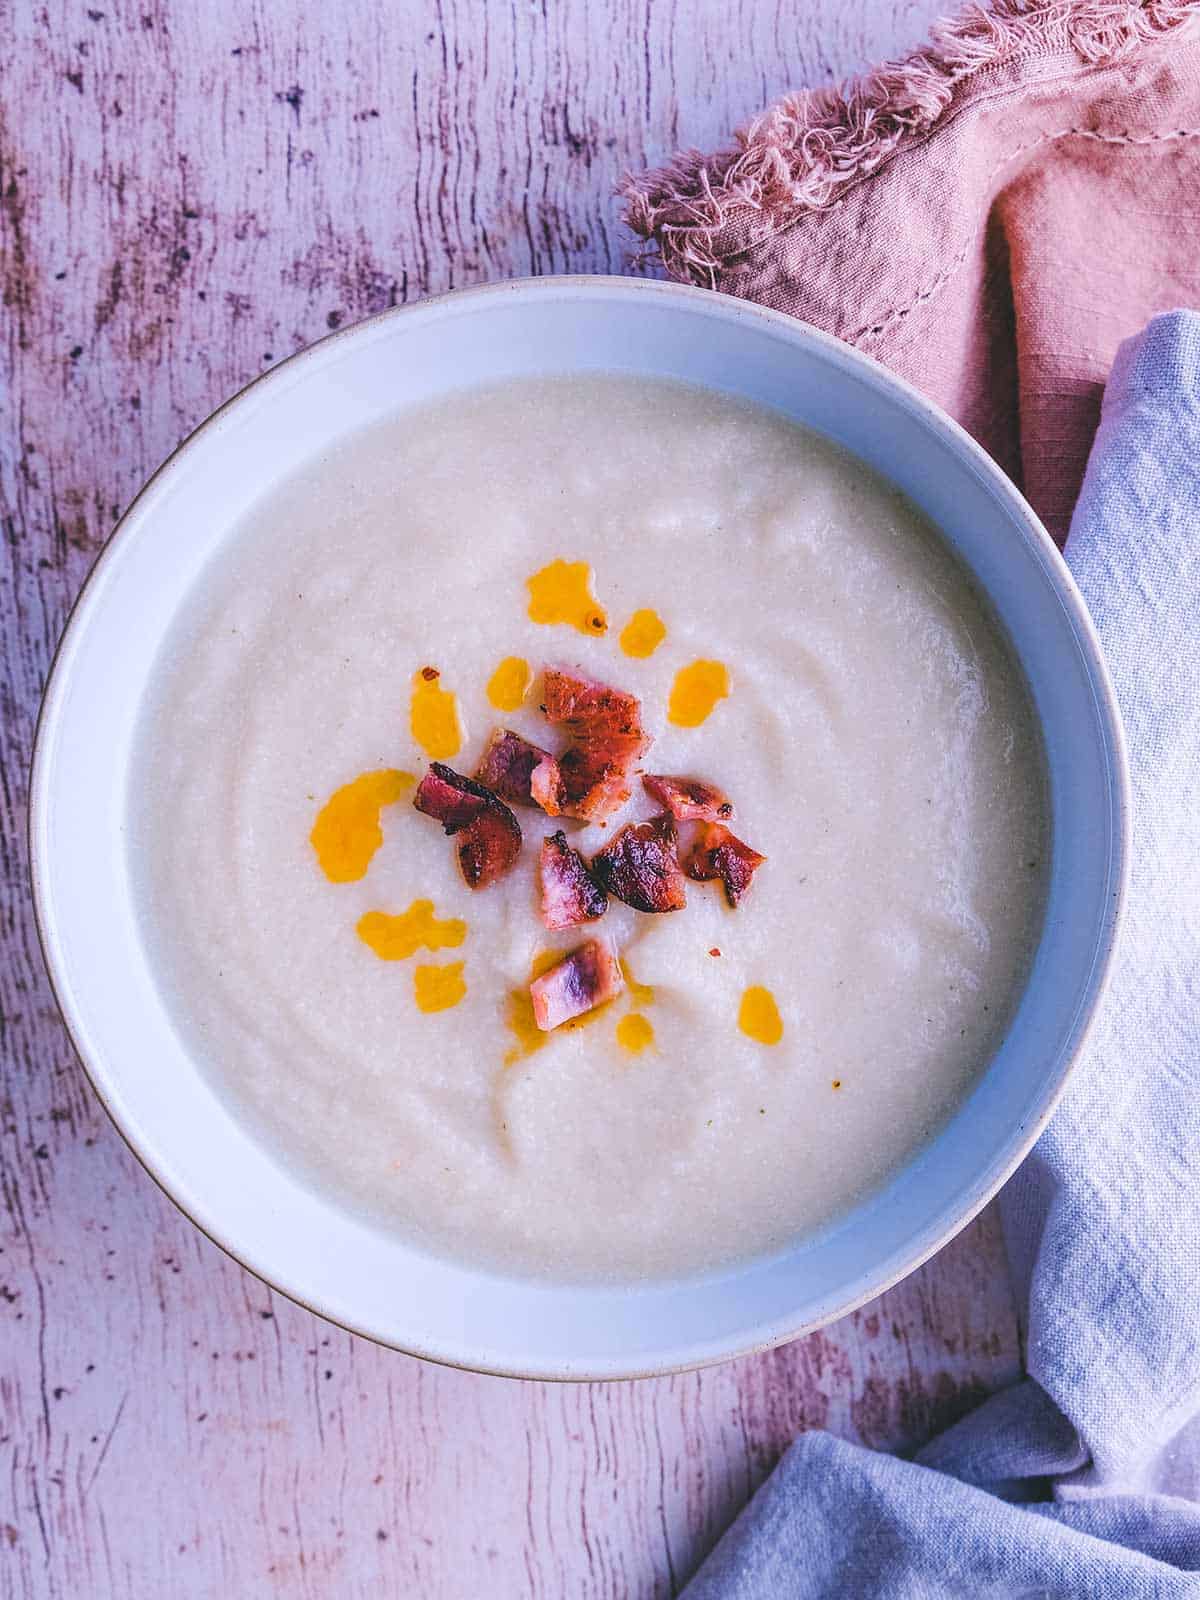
pixel 797 635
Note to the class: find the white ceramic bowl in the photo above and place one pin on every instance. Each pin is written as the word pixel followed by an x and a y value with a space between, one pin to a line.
pixel 184 1131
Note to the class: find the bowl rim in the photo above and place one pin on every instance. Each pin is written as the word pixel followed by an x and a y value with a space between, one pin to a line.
pixel 896 390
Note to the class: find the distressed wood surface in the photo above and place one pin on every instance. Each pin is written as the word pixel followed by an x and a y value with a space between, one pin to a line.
pixel 187 194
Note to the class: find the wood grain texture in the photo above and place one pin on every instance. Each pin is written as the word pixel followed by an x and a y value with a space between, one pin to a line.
pixel 187 194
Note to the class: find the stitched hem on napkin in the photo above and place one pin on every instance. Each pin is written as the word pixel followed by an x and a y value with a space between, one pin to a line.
pixel 700 211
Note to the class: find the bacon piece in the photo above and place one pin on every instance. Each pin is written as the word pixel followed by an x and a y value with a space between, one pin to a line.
pixel 507 766
pixel 580 982
pixel 689 799
pixel 717 853
pixel 569 896
pixel 590 709
pixel 546 786
pixel 489 846
pixel 451 799
pixel 641 868
pixel 491 835
pixel 605 729
pixel 595 781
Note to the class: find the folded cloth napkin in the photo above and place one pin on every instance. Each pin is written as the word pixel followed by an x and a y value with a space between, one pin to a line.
pixel 1103 1218
pixel 989 217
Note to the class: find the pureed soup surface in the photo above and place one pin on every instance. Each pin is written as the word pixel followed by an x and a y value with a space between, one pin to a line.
pixel 797 634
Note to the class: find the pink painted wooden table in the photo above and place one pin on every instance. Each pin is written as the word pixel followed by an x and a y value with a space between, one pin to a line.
pixel 187 194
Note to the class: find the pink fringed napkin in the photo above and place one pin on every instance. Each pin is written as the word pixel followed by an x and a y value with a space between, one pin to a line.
pixel 989 217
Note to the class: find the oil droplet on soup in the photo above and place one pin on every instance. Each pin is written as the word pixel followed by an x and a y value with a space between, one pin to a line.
pixel 562 592
pixel 519 1019
pixel 635 1033
pixel 346 833
pixel 439 988
pixel 759 1016
pixel 642 994
pixel 433 716
pixel 397 938
pixel 509 684
pixel 518 1012
pixel 696 691
pixel 642 634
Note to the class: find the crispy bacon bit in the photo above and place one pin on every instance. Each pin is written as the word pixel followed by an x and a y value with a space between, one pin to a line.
pixel 580 982
pixel 605 729
pixel 569 896
pixel 590 709
pixel 491 835
pixel 451 799
pixel 546 786
pixel 688 799
pixel 640 866
pixel 717 853
pixel 508 764
pixel 430 673
pixel 594 781
pixel 489 846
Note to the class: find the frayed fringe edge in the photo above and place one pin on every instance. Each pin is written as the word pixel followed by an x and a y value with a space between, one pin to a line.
pixel 802 153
